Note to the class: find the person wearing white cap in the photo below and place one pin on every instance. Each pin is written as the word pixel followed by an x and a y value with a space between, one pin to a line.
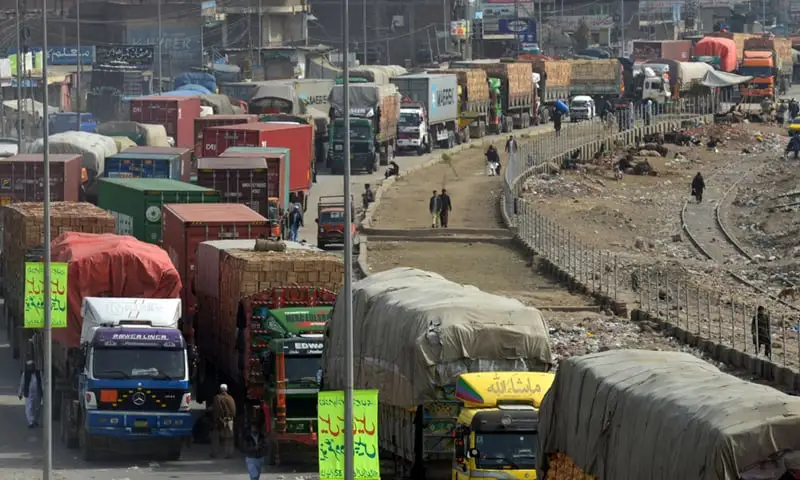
pixel 224 410
pixel 30 387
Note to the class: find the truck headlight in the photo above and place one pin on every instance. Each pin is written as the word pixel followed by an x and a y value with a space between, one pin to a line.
pixel 186 402
pixel 90 401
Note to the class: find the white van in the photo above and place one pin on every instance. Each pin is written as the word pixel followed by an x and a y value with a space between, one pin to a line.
pixel 582 107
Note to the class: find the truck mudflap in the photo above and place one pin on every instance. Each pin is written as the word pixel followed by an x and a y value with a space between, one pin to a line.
pixel 144 425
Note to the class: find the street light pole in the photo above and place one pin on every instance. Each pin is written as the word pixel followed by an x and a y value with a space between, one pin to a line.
pixel 20 59
pixel 80 60
pixel 365 32
pixel 48 331
pixel 349 460
pixel 622 28
pixel 160 41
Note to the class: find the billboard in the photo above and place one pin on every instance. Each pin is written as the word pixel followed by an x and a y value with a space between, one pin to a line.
pixel 180 43
pixel 134 55
pixel 65 55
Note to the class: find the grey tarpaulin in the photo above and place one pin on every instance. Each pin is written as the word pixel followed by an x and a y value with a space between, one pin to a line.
pixel 362 96
pixel 416 331
pixel 153 135
pixel 94 147
pixel 717 79
pixel 635 414
pixel 276 89
pixel 220 103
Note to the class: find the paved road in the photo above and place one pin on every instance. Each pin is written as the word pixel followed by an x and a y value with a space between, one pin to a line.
pixel 21 449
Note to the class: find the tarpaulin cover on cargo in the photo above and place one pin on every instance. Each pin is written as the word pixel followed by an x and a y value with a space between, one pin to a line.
pixel 110 265
pixel 140 133
pixel 416 331
pixel 380 74
pixel 717 79
pixel 276 89
pixel 635 414
pixel 724 48
pixel 93 146
pixel 363 96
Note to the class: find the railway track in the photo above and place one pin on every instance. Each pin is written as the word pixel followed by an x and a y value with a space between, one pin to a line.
pixel 705 226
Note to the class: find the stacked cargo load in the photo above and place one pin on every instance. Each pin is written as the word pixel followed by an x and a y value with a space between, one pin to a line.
pixel 22 178
pixel 473 94
pixel 23 237
pixel 416 332
pixel 556 78
pixel 139 133
pixel 596 77
pixel 635 402
pixel 380 74
pixel 719 52
pixel 738 40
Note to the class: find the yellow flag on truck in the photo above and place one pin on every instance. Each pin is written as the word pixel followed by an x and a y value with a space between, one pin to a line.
pixel 34 294
pixel 330 426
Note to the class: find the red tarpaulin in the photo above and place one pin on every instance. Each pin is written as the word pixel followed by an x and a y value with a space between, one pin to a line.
pixel 724 48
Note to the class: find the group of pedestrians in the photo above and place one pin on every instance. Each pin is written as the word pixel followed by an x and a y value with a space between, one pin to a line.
pixel 440 207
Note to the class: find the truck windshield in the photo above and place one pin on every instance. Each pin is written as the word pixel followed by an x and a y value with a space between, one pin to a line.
pixel 331 218
pixel 756 71
pixel 410 119
pixel 357 132
pixel 303 368
pixel 506 450
pixel 138 363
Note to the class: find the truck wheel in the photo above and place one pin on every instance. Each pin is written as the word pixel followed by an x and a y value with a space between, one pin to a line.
pixel 68 436
pixel 466 136
pixel 172 450
pixel 383 156
pixel 321 245
pixel 451 139
pixel 481 128
pixel 526 120
pixel 509 124
pixel 88 452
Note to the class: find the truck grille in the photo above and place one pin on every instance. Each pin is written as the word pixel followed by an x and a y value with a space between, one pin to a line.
pixel 134 399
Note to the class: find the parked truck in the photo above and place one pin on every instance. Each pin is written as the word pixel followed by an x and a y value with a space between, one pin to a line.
pixel 374 115
pixel 278 172
pixel 719 52
pixel 418 365
pixel 684 77
pixel 768 60
pixel 497 429
pixel 634 402
pixel 511 91
pixel 428 112
pixel 120 367
pixel 474 102
pixel 265 339
pixel 177 114
pixel 380 74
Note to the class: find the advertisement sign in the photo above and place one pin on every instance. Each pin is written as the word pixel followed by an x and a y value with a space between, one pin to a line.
pixel 178 43
pixel 459 29
pixel 69 55
pixel 34 295
pixel 330 425
pixel 525 30
pixel 133 55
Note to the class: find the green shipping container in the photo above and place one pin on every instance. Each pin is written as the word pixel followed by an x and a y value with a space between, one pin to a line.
pixel 136 202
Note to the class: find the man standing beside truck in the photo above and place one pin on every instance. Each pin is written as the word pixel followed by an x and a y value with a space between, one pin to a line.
pixel 224 408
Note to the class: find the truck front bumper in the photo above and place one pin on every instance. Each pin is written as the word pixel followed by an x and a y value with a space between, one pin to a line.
pixel 144 425
pixel 409 143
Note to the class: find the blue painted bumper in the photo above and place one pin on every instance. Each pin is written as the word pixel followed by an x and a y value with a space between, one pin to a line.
pixel 139 424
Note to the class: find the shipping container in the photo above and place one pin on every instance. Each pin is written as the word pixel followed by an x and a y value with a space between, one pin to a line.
pixel 21 178
pixel 297 138
pixel 144 165
pixel 201 123
pixel 238 180
pixel 678 50
pixel 184 226
pixel 136 203
pixel 437 93
pixel 188 167
pixel 278 166
pixel 177 114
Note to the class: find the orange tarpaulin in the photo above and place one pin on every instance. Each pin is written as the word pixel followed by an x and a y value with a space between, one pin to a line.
pixel 110 265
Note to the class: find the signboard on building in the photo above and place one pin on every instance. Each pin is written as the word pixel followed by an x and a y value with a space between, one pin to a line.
pixel 134 55
pixel 594 22
pixel 65 55
pixel 459 29
pixel 179 43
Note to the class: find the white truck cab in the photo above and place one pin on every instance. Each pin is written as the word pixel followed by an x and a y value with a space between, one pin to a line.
pixel 582 107
pixel 412 129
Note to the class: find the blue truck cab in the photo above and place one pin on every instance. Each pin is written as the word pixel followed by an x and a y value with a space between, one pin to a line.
pixel 131 380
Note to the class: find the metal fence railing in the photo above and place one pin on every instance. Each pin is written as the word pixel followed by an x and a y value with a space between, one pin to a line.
pixel 660 287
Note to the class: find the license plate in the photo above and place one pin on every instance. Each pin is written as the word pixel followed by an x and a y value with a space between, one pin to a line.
pixel 140 423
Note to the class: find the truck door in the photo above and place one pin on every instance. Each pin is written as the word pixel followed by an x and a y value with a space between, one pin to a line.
pixel 461 469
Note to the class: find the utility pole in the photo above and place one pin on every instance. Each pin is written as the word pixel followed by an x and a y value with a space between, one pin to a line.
pixel 48 330
pixel 80 61
pixel 260 30
pixel 20 59
pixel 349 459
pixel 160 42
pixel 622 28
pixel 366 62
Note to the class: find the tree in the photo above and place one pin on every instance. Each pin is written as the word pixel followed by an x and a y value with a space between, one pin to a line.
pixel 582 36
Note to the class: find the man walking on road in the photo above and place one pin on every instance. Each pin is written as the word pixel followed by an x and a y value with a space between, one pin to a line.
pixel 295 222
pixel 446 206
pixel 698 185
pixel 435 207
pixel 30 388
pixel 760 329
pixel 224 409
pixel 511 147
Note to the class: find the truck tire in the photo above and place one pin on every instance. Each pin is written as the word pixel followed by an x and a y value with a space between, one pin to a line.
pixel 68 437
pixel 526 120
pixel 508 124
pixel 481 128
pixel 86 443
pixel 451 139
pixel 172 450
pixel 383 156
pixel 466 136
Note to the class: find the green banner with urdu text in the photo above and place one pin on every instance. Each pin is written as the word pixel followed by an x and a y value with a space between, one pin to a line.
pixel 34 294
pixel 330 426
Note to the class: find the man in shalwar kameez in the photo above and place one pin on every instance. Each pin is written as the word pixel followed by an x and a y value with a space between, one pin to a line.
pixel 30 387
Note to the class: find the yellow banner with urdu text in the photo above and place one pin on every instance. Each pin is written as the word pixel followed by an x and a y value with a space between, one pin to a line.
pixel 34 294
pixel 330 426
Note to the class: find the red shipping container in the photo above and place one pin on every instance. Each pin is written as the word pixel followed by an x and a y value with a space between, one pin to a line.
pixel 21 178
pixel 177 114
pixel 238 180
pixel 276 173
pixel 201 123
pixel 185 226
pixel 187 158
pixel 299 139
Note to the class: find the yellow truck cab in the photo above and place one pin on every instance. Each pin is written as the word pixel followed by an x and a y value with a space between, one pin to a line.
pixel 496 434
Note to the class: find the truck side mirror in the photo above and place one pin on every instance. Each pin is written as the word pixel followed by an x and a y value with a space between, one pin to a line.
pixel 316 220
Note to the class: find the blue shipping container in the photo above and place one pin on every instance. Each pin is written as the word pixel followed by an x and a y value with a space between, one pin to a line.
pixel 149 165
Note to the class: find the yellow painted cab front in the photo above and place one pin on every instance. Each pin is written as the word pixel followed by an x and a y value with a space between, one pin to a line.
pixel 496 435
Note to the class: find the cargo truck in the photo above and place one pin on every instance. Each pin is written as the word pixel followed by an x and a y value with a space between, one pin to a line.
pixel 719 52
pixel 297 138
pixel 684 77
pixel 120 367
pixel 201 123
pixel 23 237
pixel 21 178
pixel 415 333
pixel 428 112
pixel 769 61
pixel 677 50
pixel 129 164
pixel 380 74
pixel 474 102
pixel 136 203
pixel 265 339
pixel 177 114
pixel 636 402
pixel 185 226
pixel 374 115
pixel 278 172
pixel 187 156
pixel 497 429
pixel 511 91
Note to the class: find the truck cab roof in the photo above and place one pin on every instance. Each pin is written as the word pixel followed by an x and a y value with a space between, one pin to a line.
pixel 98 312
pixel 139 337
pixel 492 389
